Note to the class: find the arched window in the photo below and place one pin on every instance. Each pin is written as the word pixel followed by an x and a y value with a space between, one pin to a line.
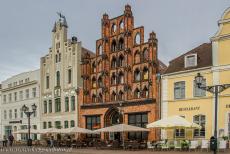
pixel 137 75
pixel 121 44
pixel 113 96
pixel 145 73
pixel 94 67
pixel 145 92
pixel 121 95
pixel 114 62
pixel 113 46
pixel 100 50
pixel 200 120
pixel 114 28
pixel 100 98
pixel 145 54
pixel 94 82
pixel 137 38
pixel 58 78
pixel 94 98
pixel 100 83
pixel 121 61
pixel 120 78
pixel 137 57
pixel 113 79
pixel 137 93
pixel 121 25
pixel 99 65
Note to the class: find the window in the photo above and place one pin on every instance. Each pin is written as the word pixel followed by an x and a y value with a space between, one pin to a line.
pixel 45 106
pixel 137 39
pixel 50 106
pixel 59 55
pixel 137 75
pixel 72 123
pixel 34 92
pixel 66 104
pixel 100 98
pixel 69 76
pixel 145 73
pixel 15 96
pixel 113 96
pixel 49 124
pixel 145 92
pixel 179 90
pixel 94 98
pixel 21 113
pixel 21 95
pixel 4 98
pixel 58 124
pixel 120 78
pixel 121 25
pixel 113 46
pixel 56 58
pixel 44 125
pixel 228 124
pixel 27 93
pixel 66 124
pixel 139 120
pixel 57 45
pixel 121 95
pixel 72 103
pixel 94 82
pixel 121 44
pixel 145 54
pixel 113 79
pixel 137 93
pixel 100 83
pixel 179 133
pixel 5 114
pixel 93 123
pixel 47 82
pixel 137 57
pixel 99 50
pixel 121 61
pixel 94 68
pixel 58 78
pixel 114 28
pixel 114 62
pixel 99 65
pixel 58 105
pixel 10 97
pixel 191 60
pixel 200 120
pixel 15 113
pixel 197 92
pixel 10 114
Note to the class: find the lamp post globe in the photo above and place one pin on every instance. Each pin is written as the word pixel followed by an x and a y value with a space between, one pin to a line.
pixel 198 79
pixel 34 107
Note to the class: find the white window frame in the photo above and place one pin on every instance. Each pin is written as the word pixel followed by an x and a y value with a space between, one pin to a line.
pixel 186 58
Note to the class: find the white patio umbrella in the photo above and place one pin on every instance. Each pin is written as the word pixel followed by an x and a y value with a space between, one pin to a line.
pixel 122 128
pixel 24 131
pixel 50 130
pixel 80 130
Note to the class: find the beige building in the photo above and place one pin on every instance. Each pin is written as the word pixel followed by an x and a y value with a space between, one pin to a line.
pixel 19 90
pixel 60 77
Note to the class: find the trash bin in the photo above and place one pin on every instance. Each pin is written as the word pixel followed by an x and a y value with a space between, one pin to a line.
pixel 29 142
pixel 213 143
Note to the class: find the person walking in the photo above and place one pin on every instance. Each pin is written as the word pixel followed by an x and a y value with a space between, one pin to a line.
pixel 4 141
pixel 11 139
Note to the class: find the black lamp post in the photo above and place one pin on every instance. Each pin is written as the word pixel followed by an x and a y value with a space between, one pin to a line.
pixel 215 89
pixel 28 113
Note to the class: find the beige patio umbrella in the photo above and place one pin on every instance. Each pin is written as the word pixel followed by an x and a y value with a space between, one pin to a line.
pixel 80 130
pixel 122 128
pixel 24 131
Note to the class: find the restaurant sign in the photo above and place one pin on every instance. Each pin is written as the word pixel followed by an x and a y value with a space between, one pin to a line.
pixel 15 122
pixel 189 108
pixel 228 106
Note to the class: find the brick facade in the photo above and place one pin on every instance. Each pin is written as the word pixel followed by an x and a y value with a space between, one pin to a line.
pixel 122 76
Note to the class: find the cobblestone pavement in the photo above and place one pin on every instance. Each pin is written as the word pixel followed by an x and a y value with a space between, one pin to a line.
pixel 37 150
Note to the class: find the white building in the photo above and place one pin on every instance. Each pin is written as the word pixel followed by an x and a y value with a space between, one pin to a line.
pixel 60 77
pixel 16 91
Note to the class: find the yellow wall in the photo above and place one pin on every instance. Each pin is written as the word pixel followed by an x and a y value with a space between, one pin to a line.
pixel 224 51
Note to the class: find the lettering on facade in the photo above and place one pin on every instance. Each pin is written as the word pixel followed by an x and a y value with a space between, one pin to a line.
pixel 228 106
pixel 15 122
pixel 189 108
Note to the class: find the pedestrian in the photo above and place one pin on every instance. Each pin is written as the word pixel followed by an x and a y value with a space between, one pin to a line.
pixel 4 141
pixel 11 139
pixel 52 142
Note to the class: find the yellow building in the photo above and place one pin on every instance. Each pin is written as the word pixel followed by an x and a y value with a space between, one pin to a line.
pixel 181 96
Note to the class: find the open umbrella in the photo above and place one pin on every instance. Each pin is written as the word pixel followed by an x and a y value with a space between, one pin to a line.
pixel 80 130
pixel 24 131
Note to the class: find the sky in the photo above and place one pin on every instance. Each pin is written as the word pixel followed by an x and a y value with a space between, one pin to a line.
pixel 26 25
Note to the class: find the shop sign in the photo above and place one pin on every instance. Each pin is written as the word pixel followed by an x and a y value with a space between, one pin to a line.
pixel 15 122
pixel 189 108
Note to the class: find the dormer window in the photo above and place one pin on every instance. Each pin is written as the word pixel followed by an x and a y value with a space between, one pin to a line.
pixel 190 60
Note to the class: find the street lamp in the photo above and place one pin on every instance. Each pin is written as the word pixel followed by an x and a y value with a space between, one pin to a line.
pixel 215 89
pixel 28 113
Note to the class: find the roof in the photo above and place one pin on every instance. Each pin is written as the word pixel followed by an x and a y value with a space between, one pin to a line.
pixel 204 59
pixel 87 51
pixel 162 67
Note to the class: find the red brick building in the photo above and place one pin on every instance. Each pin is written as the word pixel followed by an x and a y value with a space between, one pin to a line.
pixel 120 82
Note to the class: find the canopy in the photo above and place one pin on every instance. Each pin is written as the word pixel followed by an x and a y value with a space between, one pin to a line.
pixel 25 131
pixel 122 128
pixel 173 122
pixel 51 130
pixel 80 130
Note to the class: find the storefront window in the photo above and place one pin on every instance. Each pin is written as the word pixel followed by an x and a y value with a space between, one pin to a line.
pixel 139 120
pixel 93 123
pixel 200 120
